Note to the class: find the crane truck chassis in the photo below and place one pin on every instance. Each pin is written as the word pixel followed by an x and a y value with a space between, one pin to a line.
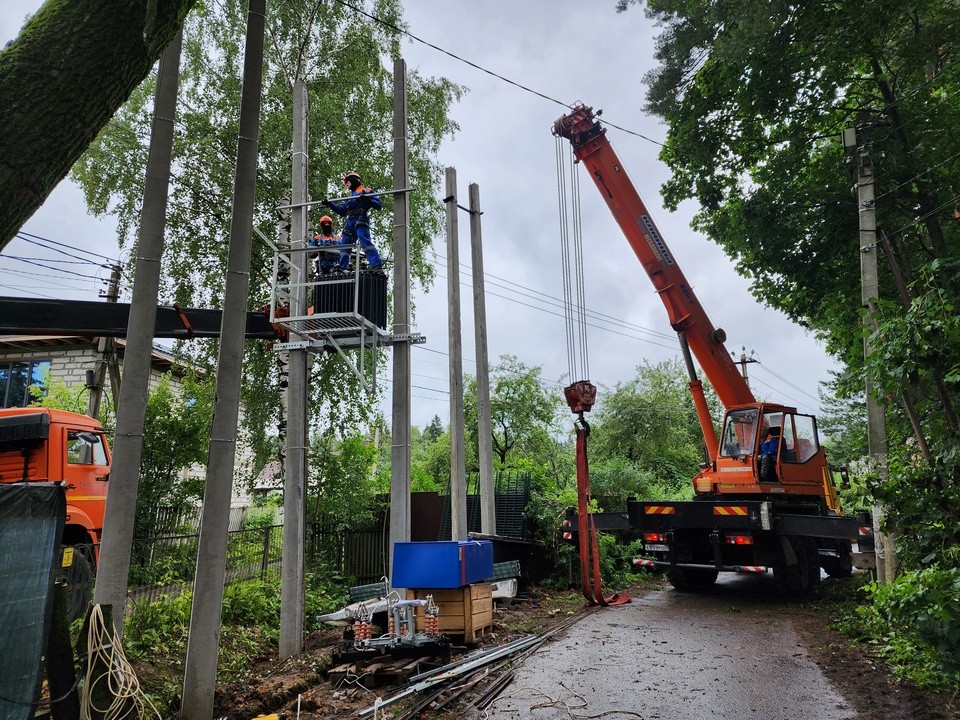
pixel 756 505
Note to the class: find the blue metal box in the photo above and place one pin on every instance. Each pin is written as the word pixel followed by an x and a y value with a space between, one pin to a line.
pixel 449 564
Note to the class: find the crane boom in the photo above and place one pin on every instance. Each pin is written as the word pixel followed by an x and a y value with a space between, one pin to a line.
pixel 686 314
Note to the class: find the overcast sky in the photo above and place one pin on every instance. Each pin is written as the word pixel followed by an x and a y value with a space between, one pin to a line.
pixel 568 51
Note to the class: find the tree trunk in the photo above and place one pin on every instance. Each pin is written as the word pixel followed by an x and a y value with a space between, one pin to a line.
pixel 61 80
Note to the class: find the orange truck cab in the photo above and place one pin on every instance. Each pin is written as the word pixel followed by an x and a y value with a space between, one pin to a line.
pixel 40 444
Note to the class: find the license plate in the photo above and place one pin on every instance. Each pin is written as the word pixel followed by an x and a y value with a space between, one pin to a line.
pixel 656 547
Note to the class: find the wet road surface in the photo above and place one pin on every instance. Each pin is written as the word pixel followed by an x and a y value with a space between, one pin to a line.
pixel 731 653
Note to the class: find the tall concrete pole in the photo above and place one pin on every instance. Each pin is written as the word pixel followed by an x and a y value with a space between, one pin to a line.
pixel 295 465
pixel 400 454
pixel 117 539
pixel 200 671
pixel 458 480
pixel 869 292
pixel 488 507
pixel 106 348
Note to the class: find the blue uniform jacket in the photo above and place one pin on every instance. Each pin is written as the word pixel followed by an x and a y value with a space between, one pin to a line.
pixel 357 205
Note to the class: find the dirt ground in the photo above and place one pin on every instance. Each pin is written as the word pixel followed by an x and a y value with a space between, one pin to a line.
pixel 863 680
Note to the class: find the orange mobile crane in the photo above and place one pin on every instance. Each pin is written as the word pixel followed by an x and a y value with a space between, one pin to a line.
pixel 765 498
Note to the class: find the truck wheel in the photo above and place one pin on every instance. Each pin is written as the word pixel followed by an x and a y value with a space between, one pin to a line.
pixel 691 579
pixel 842 566
pixel 78 578
pixel 801 578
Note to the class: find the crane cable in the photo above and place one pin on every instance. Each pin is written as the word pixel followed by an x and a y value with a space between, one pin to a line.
pixel 581 393
pixel 571 250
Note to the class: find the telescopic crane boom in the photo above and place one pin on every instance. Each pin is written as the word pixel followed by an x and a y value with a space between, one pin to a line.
pixel 684 310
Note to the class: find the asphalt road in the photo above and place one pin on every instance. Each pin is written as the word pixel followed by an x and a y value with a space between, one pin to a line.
pixel 729 654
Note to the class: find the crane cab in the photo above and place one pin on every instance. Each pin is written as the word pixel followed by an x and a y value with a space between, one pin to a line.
pixel 767 449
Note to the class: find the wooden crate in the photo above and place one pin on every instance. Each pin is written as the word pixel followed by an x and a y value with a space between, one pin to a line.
pixel 466 611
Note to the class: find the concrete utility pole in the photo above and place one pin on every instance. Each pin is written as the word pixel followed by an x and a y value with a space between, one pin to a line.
pixel 858 143
pixel 117 541
pixel 295 465
pixel 400 454
pixel 488 505
pixel 458 481
pixel 743 361
pixel 106 357
pixel 200 671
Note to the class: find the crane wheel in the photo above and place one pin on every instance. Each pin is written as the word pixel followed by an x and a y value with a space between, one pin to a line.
pixel 78 578
pixel 797 572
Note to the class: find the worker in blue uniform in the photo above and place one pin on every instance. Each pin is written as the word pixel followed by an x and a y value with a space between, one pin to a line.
pixel 356 228
pixel 326 260
pixel 768 455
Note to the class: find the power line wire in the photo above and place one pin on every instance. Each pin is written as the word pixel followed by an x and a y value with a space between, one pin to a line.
pixel 481 68
pixel 26 235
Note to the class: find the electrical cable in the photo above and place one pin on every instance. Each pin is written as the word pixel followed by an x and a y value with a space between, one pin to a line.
pixel 474 65
pixel 105 650
pixel 71 247
pixel 916 177
pixel 598 327
pixel 56 269
pixel 557 302
pixel 32 292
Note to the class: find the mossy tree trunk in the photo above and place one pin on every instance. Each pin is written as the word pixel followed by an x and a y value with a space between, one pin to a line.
pixel 61 80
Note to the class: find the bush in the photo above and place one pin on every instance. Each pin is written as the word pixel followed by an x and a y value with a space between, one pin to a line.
pixel 914 623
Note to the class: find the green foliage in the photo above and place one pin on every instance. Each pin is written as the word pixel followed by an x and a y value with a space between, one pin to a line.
pixel 646 436
pixel 155 626
pixel 342 482
pixel 756 97
pixel 545 514
pixel 158 563
pixel 430 459
pixel 343 57
pixel 54 393
pixel 253 602
pixel 523 413
pixel 842 423
pixel 324 593
pixel 258 518
pixel 616 479
pixel 616 561
pixel 914 624
pixel 176 438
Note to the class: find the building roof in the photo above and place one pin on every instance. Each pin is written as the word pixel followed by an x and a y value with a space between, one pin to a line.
pixel 160 357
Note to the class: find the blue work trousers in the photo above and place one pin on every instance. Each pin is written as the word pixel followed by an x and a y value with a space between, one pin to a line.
pixel 357 230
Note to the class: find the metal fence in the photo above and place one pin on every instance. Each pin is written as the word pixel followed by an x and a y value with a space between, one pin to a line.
pixel 164 567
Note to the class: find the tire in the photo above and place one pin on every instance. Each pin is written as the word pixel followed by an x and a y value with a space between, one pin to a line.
pixel 801 578
pixel 78 578
pixel 691 579
pixel 842 566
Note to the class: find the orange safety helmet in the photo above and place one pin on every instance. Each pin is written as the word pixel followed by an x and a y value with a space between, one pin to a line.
pixel 325 219
pixel 351 174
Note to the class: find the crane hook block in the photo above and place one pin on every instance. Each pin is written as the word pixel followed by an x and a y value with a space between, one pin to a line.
pixel 580 396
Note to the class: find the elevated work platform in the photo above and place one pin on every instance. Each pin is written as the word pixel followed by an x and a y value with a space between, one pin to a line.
pixel 339 311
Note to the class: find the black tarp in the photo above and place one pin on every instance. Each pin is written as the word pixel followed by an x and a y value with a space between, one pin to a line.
pixel 31 527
